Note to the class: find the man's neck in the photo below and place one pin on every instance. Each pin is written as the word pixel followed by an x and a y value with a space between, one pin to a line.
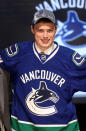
pixel 46 51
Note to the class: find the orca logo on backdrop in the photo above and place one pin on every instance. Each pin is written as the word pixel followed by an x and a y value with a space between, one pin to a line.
pixel 71 32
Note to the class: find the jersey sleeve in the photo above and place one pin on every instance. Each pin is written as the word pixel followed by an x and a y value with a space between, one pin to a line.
pixel 9 56
pixel 77 73
pixel 13 55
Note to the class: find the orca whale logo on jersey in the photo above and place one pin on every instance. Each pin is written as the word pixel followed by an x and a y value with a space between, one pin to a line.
pixel 41 95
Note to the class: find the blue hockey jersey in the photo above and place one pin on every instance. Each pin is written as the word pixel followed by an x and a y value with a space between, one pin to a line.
pixel 43 86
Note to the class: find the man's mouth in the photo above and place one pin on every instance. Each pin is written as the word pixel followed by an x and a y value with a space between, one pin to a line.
pixel 45 41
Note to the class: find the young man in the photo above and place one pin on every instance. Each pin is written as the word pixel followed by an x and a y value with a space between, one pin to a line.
pixel 45 76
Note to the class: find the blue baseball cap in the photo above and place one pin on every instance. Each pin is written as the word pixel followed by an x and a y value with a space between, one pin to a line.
pixel 44 14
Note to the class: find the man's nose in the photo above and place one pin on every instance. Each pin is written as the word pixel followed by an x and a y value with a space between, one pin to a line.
pixel 45 34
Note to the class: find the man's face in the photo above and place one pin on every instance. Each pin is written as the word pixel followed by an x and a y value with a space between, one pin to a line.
pixel 44 34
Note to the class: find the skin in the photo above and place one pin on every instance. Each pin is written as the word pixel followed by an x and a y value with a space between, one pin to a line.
pixel 44 34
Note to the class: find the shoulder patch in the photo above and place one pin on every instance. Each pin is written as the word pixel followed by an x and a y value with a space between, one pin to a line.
pixel 12 50
pixel 77 59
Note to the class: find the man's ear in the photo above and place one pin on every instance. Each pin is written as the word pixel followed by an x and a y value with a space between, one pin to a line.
pixel 32 29
pixel 56 28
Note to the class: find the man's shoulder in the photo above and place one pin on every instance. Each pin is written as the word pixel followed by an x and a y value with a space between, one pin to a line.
pixel 65 52
pixel 18 48
pixel 72 57
pixel 25 47
pixel 25 44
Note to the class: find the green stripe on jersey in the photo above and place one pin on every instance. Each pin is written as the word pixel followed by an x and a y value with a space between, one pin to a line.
pixel 22 126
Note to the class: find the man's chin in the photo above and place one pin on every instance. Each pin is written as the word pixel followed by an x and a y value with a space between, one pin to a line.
pixel 45 43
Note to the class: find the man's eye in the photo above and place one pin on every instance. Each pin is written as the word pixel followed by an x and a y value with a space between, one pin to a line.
pixel 40 31
pixel 50 30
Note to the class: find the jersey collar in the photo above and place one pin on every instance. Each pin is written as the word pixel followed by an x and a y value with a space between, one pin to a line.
pixel 47 51
pixel 50 52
